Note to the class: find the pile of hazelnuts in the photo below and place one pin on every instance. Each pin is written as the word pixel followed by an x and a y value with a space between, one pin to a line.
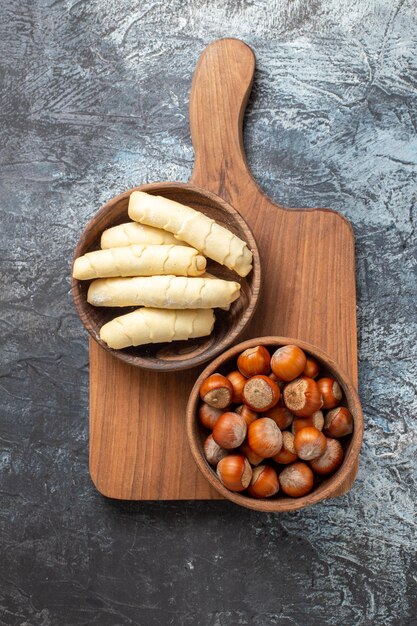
pixel 271 409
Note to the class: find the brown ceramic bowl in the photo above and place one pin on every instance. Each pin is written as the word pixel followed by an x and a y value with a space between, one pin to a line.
pixel 324 488
pixel 229 325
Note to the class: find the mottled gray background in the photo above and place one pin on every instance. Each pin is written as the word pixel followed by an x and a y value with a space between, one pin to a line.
pixel 94 100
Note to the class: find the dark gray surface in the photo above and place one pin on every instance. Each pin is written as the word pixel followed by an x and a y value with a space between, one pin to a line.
pixel 94 101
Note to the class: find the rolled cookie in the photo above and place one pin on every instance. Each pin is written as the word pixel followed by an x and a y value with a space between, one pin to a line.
pixel 198 230
pixel 139 260
pixel 155 326
pixel 163 292
pixel 134 233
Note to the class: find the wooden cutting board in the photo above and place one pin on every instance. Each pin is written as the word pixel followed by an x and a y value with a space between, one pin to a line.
pixel 138 445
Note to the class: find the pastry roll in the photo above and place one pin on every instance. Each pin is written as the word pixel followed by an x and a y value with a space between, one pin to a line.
pixel 132 232
pixel 156 325
pixel 194 227
pixel 140 260
pixel 163 292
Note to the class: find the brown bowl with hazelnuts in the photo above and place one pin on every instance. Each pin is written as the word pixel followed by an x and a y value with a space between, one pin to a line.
pixel 274 424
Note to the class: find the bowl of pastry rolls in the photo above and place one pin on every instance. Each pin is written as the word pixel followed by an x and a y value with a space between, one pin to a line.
pixel 166 276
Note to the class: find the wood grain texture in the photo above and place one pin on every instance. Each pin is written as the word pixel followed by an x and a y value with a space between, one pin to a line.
pixel 229 325
pixel 138 448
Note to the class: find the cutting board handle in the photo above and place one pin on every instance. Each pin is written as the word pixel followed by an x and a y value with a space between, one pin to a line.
pixel 220 90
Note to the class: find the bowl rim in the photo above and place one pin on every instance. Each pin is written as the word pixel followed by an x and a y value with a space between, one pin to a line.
pixel 236 329
pixel 334 483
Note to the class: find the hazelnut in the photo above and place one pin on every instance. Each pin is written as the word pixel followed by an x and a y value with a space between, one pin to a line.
pixel 288 362
pixel 302 396
pixel 264 482
pixel 338 422
pixel 254 361
pixel 316 420
pixel 281 415
pixel 330 391
pixel 217 391
pixel 260 393
pixel 238 382
pixel 330 460
pixel 212 451
pixel 264 437
pixel 234 472
pixel 309 443
pixel 209 415
pixel 230 430
pixel 296 480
